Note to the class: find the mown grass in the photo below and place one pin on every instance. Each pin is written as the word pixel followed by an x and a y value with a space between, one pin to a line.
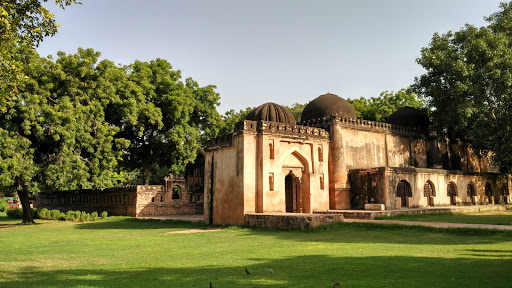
pixel 127 252
pixel 483 217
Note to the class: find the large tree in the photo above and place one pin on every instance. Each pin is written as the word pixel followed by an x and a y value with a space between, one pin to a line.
pixel 54 135
pixel 379 108
pixel 468 84
pixel 169 120
pixel 23 24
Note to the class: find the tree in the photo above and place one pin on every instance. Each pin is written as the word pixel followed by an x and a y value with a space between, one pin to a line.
pixel 22 24
pixel 379 108
pixel 297 109
pixel 231 117
pixel 167 121
pixel 54 135
pixel 468 84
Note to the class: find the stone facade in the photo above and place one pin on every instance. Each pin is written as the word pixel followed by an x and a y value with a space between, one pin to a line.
pixel 138 201
pixel 333 161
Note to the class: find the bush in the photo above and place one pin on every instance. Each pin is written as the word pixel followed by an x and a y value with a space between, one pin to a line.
pixel 3 206
pixel 82 216
pixel 78 214
pixel 62 217
pixel 94 216
pixel 104 215
pixel 54 214
pixel 87 217
pixel 42 213
pixel 70 215
pixel 15 213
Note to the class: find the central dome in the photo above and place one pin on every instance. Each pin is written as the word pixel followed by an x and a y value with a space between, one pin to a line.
pixel 325 105
pixel 271 112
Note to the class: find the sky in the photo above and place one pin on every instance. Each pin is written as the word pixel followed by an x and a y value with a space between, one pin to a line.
pixel 281 51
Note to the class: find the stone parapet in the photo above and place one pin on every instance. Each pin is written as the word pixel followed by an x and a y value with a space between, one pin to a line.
pixel 290 221
pixel 364 125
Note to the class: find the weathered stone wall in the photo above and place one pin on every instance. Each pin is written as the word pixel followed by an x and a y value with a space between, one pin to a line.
pixel 116 201
pixel 379 185
pixel 290 221
pixel 135 201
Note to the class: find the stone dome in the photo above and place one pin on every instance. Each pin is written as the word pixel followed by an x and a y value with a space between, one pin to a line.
pixel 271 112
pixel 325 105
pixel 409 116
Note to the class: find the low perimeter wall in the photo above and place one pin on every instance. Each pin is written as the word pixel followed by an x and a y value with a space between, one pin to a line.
pixel 290 221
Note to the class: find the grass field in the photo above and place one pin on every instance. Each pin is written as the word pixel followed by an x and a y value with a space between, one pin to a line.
pixel 484 217
pixel 127 252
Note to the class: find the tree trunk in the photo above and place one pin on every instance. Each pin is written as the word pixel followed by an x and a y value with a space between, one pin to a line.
pixel 25 203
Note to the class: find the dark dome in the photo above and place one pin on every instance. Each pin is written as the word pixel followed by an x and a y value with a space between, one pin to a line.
pixel 409 116
pixel 271 112
pixel 325 105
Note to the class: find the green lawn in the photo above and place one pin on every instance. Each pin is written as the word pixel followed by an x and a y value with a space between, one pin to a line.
pixel 484 217
pixel 127 252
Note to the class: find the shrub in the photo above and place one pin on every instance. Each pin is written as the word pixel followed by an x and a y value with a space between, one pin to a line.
pixel 70 215
pixel 82 216
pixel 94 216
pixel 104 215
pixel 87 217
pixel 78 214
pixel 3 206
pixel 62 217
pixel 42 213
pixel 54 214
pixel 15 213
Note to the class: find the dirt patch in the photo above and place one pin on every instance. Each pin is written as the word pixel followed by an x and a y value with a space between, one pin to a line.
pixel 189 231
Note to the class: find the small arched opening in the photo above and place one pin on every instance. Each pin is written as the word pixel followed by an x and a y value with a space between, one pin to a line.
pixel 488 192
pixel 452 193
pixel 176 192
pixel 292 187
pixel 471 193
pixel 403 190
pixel 429 193
pixel 504 193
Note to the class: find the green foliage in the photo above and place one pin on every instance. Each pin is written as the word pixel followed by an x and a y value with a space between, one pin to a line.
pixel 230 118
pixel 15 213
pixel 78 214
pixel 104 215
pixel 379 108
pixel 83 216
pixel 54 214
pixel 70 215
pixel 468 84
pixel 3 205
pixel 23 24
pixel 94 216
pixel 296 110
pixel 167 121
pixel 62 217
pixel 42 213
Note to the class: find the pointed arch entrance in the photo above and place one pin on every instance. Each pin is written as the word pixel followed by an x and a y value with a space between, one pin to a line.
pixel 297 183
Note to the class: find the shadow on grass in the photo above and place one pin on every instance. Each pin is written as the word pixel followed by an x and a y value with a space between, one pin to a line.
pixel 299 271
pixel 137 223
pixel 495 218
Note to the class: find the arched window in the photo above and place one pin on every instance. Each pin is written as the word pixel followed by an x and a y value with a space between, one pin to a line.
pixel 271 148
pixel 429 192
pixel 471 193
pixel 176 192
pixel 271 181
pixel 320 154
pixel 488 192
pixel 452 192
pixel 161 198
pixel 152 199
pixel 504 193
pixel 322 182
pixel 403 190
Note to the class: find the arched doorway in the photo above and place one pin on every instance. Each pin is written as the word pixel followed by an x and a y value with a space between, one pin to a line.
pixel 429 193
pixel 471 193
pixel 403 190
pixel 297 183
pixel 452 193
pixel 292 192
pixel 488 192
pixel 504 193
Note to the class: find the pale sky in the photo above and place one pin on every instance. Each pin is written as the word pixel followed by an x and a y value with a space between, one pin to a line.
pixel 269 51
